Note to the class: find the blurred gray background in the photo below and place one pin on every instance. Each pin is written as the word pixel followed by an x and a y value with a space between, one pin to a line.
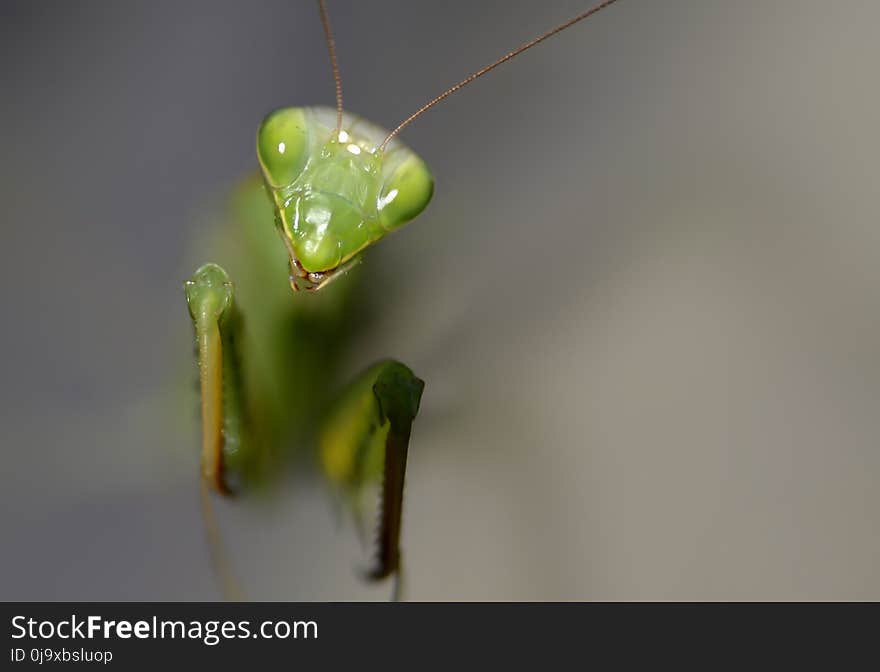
pixel 646 297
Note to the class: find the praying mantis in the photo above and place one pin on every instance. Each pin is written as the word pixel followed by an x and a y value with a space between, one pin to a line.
pixel 270 321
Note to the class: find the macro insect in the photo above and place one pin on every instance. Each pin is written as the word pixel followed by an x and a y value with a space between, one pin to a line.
pixel 331 185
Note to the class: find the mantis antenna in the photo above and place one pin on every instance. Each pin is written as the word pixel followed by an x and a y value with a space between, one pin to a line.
pixel 482 71
pixel 331 49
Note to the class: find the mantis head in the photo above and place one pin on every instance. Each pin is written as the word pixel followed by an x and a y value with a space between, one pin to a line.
pixel 339 183
pixel 336 191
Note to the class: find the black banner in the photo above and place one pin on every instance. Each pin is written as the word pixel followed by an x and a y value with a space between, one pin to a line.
pixel 240 636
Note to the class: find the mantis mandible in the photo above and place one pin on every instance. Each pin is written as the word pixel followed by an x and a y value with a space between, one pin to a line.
pixel 334 184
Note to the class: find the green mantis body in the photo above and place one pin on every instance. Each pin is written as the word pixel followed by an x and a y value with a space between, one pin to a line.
pixel 332 185
pixel 266 354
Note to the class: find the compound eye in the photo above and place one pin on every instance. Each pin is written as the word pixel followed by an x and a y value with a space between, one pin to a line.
pixel 406 194
pixel 282 145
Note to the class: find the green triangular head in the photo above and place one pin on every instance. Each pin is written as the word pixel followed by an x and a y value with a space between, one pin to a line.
pixel 335 193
